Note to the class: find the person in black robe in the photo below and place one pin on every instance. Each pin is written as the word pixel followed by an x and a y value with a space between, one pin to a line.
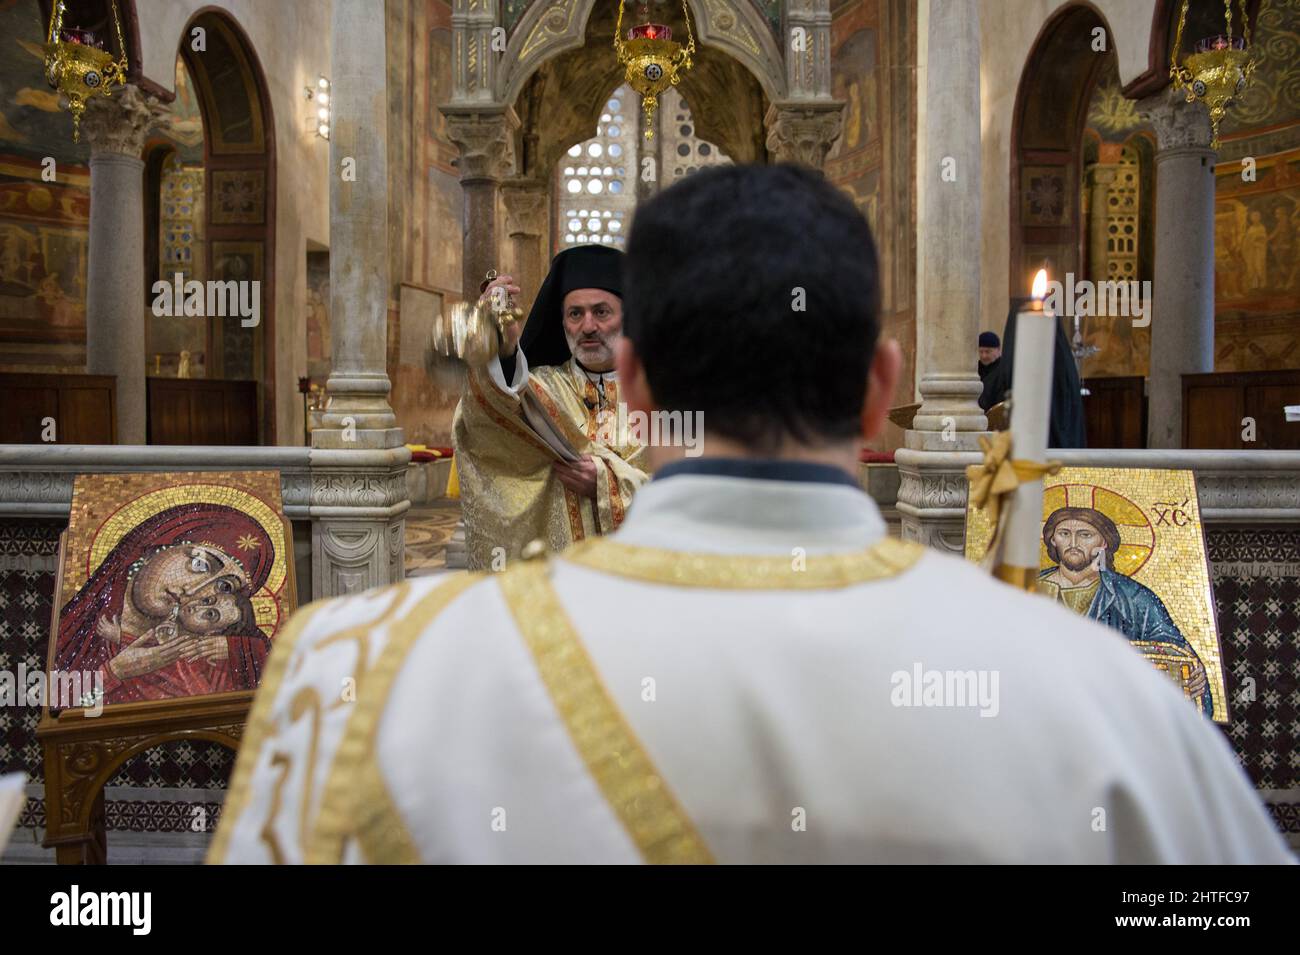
pixel 1066 428
pixel 990 354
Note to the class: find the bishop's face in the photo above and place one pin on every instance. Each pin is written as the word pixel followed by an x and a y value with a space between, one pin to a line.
pixel 1077 544
pixel 593 323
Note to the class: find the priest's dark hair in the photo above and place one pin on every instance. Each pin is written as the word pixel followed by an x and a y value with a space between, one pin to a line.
pixel 751 294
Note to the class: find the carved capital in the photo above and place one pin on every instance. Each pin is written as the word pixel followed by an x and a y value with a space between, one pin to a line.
pixel 1178 124
pixel 803 133
pixel 118 125
pixel 525 202
pixel 485 140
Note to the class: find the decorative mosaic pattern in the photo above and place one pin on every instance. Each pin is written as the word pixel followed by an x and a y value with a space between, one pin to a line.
pixel 1256 575
pixel 180 219
pixel 1286 816
pixel 28 550
pixel 139 815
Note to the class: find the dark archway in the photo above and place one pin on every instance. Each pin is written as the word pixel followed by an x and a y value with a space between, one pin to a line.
pixel 239 191
pixel 1047 145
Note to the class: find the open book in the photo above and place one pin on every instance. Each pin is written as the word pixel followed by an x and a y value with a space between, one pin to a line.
pixel 544 427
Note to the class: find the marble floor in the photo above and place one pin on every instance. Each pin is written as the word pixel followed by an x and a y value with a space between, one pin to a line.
pixel 428 529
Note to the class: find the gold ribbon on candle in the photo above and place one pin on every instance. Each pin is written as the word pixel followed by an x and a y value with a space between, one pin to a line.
pixel 997 476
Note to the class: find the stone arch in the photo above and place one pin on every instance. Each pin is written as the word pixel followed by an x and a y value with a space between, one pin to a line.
pixel 1047 143
pixel 239 188
pixel 548 29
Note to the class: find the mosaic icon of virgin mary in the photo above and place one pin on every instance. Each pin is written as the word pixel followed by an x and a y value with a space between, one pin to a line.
pixel 169 611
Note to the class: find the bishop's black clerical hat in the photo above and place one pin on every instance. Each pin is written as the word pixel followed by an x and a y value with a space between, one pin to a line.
pixel 584 266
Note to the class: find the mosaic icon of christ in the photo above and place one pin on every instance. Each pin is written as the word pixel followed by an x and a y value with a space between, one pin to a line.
pixel 1082 543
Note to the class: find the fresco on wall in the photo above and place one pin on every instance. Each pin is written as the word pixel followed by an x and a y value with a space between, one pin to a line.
pixel 444 212
pixel 1265 118
pixel 184 126
pixel 1257 266
pixel 43 229
pixel 873 161
pixel 44 226
pixel 31 123
pixel 854 161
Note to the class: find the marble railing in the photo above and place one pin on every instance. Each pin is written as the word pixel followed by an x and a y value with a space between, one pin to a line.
pixel 354 501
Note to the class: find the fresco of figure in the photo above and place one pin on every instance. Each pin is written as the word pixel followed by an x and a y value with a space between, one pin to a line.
pixel 1082 542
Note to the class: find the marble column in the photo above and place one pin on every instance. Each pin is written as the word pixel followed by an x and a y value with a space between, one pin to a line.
pixel 944 435
pixel 116 306
pixel 1182 311
pixel 527 225
pixel 485 137
pixel 359 458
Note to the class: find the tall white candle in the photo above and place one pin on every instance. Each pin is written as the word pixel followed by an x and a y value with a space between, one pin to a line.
pixel 1031 402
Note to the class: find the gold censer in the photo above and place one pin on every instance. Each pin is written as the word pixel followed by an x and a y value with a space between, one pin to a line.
pixel 473 333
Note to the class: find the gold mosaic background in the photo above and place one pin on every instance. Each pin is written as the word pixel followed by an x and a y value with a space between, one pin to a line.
pixel 1163 546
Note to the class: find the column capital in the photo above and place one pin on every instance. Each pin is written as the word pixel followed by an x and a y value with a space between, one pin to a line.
pixel 485 139
pixel 118 125
pixel 803 132
pixel 525 203
pixel 1178 124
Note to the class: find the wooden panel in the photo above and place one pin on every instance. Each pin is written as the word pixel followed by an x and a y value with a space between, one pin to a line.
pixel 84 414
pixel 1266 403
pixel 1115 413
pixel 1216 406
pixel 81 406
pixel 202 411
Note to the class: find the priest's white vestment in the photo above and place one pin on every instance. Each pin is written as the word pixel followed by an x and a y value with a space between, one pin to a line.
pixel 734 676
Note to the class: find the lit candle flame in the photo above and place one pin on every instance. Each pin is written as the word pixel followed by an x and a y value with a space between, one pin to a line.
pixel 1040 285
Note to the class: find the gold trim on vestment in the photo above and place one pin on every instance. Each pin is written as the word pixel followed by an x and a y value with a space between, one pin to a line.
pixel 887 558
pixel 356 802
pixel 633 787
pixel 257 729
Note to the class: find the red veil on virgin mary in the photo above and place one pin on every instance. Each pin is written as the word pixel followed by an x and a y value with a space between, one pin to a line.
pixel 79 646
